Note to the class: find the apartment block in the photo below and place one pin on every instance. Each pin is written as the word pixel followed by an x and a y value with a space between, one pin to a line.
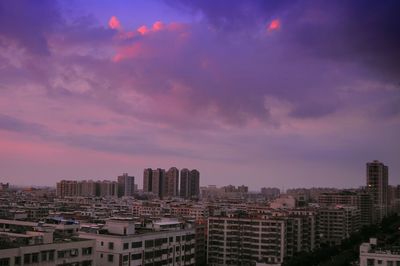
pixel 122 241
pixel 377 186
pixel 337 223
pixel 372 254
pixel 25 243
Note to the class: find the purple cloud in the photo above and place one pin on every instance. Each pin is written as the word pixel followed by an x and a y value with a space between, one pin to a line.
pixel 221 88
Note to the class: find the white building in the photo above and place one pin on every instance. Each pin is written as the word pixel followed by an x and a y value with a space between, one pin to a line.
pixel 24 243
pixel 371 255
pixel 121 241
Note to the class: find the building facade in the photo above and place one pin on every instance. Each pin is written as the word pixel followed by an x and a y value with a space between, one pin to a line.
pixel 337 223
pixel 377 186
pixel 373 255
pixel 126 185
pixel 171 182
pixel 190 184
pixel 120 242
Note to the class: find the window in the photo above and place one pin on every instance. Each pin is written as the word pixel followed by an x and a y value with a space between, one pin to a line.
pixel 149 255
pixel 27 258
pixel 111 245
pixel 126 245
pixel 159 242
pixel 136 256
pixel 102 243
pixel 136 244
pixel 5 262
pixel 43 255
pixel 60 254
pixel 125 258
pixel 17 260
pixel 73 252
pixel 87 263
pixel 87 251
pixel 51 255
pixel 149 244
pixel 35 257
pixel 110 258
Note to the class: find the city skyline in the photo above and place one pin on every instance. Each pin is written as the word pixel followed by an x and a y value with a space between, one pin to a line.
pixel 262 93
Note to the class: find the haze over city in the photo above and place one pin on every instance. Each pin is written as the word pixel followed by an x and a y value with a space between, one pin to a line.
pixel 262 93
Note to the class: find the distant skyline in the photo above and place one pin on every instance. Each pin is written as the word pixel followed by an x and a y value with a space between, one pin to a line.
pixel 262 93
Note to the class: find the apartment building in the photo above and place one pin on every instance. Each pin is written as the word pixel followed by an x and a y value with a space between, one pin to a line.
pixel 362 200
pixel 122 241
pixel 372 254
pixel 26 243
pixel 337 223
pixel 241 238
pixel 377 186
pixel 242 241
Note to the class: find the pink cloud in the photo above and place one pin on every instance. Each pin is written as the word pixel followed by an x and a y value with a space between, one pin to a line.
pixel 131 51
pixel 114 23
pixel 274 25
pixel 149 45
pixel 143 30
pixel 158 25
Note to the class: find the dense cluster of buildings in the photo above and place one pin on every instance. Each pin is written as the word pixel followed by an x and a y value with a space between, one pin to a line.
pixel 124 186
pixel 173 221
pixel 156 182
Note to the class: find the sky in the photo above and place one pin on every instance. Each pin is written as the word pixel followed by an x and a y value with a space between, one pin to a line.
pixel 263 93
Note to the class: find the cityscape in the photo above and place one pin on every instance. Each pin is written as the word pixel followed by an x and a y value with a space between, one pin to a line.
pixel 199 132
pixel 172 220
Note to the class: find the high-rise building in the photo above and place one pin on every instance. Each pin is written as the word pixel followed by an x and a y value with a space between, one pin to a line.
pixel 194 184
pixel 377 186
pixel 270 193
pixel 147 180
pixel 88 188
pixel 108 188
pixel 185 175
pixel 190 184
pixel 126 185
pixel 153 181
pixel 158 181
pixel 171 180
pixel 67 188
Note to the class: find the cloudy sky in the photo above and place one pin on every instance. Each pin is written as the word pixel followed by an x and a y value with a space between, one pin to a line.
pixel 262 93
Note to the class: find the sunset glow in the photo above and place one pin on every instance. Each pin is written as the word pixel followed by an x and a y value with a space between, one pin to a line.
pixel 276 93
